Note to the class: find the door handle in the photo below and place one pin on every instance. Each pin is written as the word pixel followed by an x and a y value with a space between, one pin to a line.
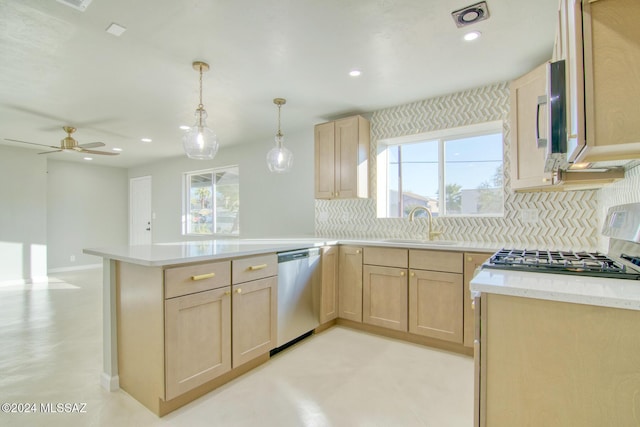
pixel 541 142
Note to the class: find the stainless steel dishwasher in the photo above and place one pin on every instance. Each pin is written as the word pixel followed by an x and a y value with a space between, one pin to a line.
pixel 298 294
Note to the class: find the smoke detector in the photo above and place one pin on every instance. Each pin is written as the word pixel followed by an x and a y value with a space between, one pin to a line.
pixel 471 14
pixel 80 5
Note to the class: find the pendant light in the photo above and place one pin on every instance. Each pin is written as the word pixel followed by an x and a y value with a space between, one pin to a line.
pixel 199 141
pixel 279 158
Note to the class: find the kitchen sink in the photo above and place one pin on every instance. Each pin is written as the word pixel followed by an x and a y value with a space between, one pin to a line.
pixel 421 242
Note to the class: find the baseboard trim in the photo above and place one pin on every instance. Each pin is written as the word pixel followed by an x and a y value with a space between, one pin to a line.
pixel 109 383
pixel 74 268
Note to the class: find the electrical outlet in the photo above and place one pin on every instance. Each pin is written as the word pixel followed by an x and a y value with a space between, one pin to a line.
pixel 72 258
pixel 529 216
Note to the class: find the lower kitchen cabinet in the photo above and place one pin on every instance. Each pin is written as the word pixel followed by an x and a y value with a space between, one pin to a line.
pixel 556 364
pixel 197 339
pixel 254 320
pixel 384 297
pixel 350 284
pixel 436 294
pixel 472 260
pixel 435 305
pixel 329 291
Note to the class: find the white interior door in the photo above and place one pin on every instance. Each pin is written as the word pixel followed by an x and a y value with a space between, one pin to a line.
pixel 140 211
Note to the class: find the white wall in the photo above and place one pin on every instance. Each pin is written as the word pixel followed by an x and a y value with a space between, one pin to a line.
pixel 87 207
pixel 270 204
pixel 23 215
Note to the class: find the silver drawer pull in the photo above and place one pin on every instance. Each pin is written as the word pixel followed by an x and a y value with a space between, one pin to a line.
pixel 203 276
pixel 257 267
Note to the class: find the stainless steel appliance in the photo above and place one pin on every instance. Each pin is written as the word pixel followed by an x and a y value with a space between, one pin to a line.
pixel 622 226
pixel 298 288
pixel 556 140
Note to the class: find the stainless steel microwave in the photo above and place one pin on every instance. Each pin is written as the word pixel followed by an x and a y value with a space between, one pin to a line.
pixel 556 100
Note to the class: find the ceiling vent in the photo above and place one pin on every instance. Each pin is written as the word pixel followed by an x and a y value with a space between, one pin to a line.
pixel 80 5
pixel 470 14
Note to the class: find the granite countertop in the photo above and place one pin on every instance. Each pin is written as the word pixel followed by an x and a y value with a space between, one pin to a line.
pixel 616 293
pixel 163 254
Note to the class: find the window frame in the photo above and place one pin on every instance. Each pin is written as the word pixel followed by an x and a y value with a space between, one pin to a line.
pixel 441 136
pixel 186 200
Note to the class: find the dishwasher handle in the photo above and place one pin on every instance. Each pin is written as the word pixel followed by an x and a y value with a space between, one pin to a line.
pixel 296 255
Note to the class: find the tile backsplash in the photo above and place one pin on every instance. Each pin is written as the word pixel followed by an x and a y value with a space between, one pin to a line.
pixel 565 220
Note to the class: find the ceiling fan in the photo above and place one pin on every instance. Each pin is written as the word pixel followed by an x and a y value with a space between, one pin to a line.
pixel 70 144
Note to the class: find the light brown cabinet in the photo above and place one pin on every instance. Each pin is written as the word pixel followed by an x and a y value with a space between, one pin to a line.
pixel 254 307
pixel 601 46
pixel 528 120
pixel 385 288
pixel 341 158
pixel 436 294
pixel 198 339
pixel 254 324
pixel 350 283
pixel 472 260
pixel 329 288
pixel 550 363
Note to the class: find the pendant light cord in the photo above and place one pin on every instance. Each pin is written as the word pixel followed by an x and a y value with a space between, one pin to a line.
pixel 279 133
pixel 200 106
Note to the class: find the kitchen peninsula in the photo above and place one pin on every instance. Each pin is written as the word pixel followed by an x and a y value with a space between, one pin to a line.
pixel 147 289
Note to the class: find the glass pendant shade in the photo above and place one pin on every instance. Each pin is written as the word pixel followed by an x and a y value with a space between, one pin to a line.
pixel 199 141
pixel 279 158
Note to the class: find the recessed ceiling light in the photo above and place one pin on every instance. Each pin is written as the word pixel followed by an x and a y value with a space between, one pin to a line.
pixel 355 73
pixel 472 35
pixel 185 127
pixel 88 158
pixel 145 139
pixel 117 149
pixel 115 29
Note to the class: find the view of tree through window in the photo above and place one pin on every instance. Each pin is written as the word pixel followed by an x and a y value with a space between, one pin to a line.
pixel 213 201
pixel 468 170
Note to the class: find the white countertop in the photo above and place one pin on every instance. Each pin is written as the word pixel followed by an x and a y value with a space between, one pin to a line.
pixel 616 293
pixel 162 254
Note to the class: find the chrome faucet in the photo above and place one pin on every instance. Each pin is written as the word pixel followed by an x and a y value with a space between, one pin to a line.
pixel 412 214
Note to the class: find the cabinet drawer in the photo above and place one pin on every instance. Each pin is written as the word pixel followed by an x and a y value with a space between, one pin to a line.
pixel 196 278
pixel 450 262
pixel 258 267
pixel 387 257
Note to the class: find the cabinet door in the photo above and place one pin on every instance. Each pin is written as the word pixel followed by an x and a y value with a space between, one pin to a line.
pixel 472 261
pixel 612 87
pixel 352 153
pixel 350 284
pixel 329 291
pixel 254 321
pixel 325 160
pixel 435 305
pixel 384 297
pixel 527 160
pixel 197 339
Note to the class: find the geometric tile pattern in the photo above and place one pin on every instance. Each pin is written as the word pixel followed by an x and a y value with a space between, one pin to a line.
pixel 566 220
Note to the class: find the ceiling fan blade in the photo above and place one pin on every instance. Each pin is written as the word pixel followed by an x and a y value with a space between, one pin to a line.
pixel 103 153
pixel 49 152
pixel 91 145
pixel 32 143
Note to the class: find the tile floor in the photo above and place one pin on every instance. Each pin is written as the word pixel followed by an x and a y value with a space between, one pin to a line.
pixel 50 352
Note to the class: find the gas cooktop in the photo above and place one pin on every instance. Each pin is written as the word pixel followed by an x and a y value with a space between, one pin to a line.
pixel 565 262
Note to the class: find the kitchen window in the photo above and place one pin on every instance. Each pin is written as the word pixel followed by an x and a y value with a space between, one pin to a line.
pixel 454 172
pixel 212 202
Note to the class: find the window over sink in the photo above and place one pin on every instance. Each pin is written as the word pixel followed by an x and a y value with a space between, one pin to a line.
pixel 453 172
pixel 211 201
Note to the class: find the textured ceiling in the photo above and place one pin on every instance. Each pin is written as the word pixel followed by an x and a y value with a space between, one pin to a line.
pixel 60 67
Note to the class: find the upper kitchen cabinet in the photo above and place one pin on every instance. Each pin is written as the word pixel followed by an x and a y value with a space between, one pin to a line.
pixel 342 159
pixel 600 41
pixel 528 122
